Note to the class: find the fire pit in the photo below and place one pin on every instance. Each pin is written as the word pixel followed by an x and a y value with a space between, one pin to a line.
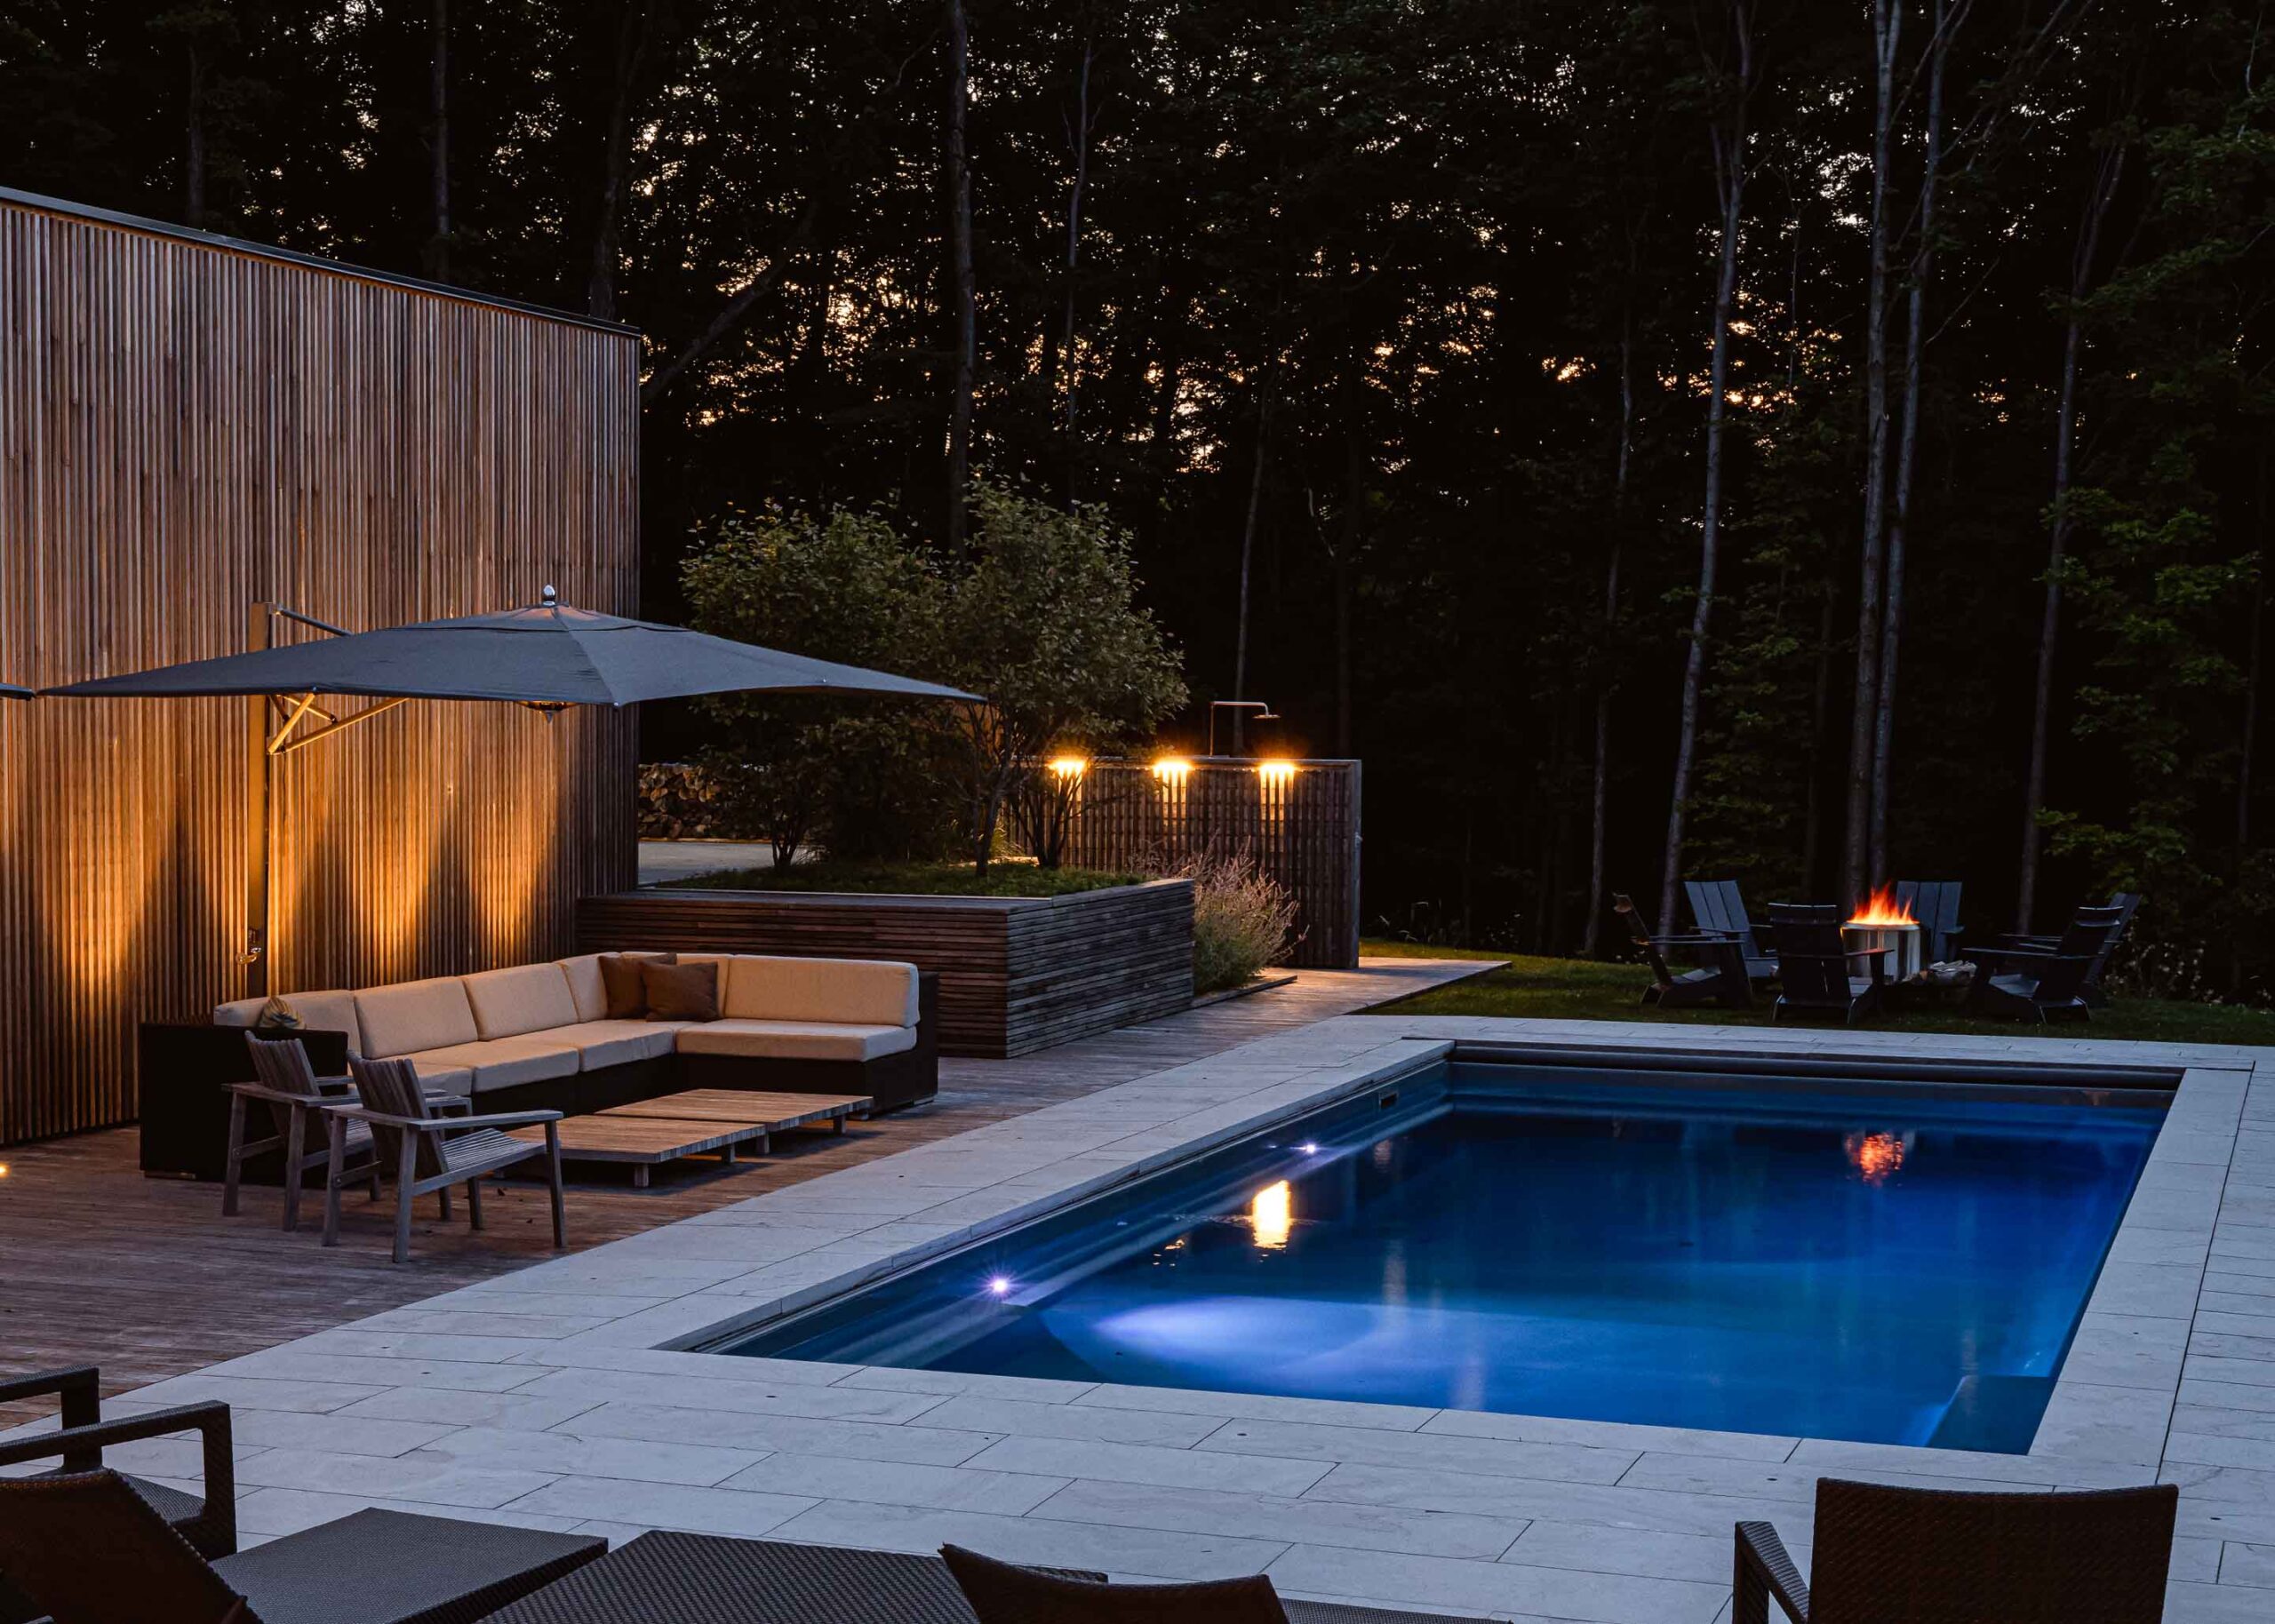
pixel 1883 922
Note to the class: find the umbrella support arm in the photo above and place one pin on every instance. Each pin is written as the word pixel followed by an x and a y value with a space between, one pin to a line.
pixel 282 742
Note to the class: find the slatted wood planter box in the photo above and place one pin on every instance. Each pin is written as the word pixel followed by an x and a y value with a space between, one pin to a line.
pixel 1018 974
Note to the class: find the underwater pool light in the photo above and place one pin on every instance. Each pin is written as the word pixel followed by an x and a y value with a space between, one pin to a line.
pixel 999 1285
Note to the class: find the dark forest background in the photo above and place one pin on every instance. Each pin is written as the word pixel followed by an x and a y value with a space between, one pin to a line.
pixel 1414 312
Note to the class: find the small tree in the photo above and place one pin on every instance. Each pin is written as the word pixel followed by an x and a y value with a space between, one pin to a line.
pixel 841 589
pixel 1044 621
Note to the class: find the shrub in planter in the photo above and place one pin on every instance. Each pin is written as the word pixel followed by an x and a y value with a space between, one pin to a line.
pixel 1242 920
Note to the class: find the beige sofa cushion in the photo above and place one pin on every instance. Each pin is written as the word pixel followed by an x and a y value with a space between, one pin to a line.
pixel 323 1012
pixel 500 1062
pixel 415 1015
pixel 795 1039
pixel 528 998
pixel 584 973
pixel 434 1077
pixel 858 991
pixel 612 1043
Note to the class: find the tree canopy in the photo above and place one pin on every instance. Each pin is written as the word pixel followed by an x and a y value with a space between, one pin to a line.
pixel 1390 331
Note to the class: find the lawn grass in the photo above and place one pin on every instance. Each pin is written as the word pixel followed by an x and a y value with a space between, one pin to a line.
pixel 1588 989
pixel 1012 878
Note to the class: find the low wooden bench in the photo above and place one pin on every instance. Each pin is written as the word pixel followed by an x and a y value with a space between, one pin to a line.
pixel 722 1122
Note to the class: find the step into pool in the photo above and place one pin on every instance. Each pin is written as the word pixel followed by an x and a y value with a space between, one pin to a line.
pixel 1866 1257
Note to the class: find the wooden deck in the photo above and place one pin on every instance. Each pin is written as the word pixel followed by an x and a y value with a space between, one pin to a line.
pixel 146 1278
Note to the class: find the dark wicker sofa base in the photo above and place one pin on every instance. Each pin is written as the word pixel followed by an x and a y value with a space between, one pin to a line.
pixel 186 1069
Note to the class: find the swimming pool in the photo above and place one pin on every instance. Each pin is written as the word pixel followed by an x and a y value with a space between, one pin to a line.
pixel 1867 1258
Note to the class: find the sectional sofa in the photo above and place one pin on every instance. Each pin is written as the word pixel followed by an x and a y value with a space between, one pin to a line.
pixel 539 1036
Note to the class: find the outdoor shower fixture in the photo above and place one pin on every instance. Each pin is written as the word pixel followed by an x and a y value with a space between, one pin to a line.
pixel 1264 712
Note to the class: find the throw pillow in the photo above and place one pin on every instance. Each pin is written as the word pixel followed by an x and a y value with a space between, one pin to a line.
pixel 276 1016
pixel 681 992
pixel 1003 1593
pixel 621 983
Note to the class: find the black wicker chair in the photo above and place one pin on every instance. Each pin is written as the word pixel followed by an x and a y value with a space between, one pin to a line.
pixel 207 1521
pixel 1893 1556
pixel 88 1548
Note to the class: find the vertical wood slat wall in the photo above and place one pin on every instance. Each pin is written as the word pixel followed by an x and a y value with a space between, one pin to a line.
pixel 188 427
pixel 1301 827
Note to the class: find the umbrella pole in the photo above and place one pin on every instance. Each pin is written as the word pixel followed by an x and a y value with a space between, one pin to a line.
pixel 260 830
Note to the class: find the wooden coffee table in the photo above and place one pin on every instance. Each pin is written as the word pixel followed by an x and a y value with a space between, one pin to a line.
pixel 720 1122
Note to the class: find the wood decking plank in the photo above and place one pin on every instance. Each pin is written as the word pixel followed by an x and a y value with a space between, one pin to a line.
pixel 145 1278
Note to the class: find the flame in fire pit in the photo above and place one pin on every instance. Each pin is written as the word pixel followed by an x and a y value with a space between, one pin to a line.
pixel 1882 911
pixel 1878 1157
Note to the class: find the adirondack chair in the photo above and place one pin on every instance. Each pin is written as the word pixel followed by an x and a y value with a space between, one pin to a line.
pixel 2118 911
pixel 1816 968
pixel 1935 904
pixel 2033 985
pixel 1719 979
pixel 1720 911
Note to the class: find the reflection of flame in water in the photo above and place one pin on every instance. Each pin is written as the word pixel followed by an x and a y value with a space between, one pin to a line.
pixel 1878 1157
pixel 1271 1214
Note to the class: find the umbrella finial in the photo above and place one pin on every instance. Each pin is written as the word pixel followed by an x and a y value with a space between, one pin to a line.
pixel 551 601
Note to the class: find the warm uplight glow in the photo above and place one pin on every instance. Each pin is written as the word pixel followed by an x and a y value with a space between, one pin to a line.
pixel 1069 766
pixel 3 1170
pixel 1271 1214
pixel 1878 1157
pixel 1275 772
pixel 1172 769
pixel 1882 911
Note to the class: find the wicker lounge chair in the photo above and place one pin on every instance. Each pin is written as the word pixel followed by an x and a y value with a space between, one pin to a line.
pixel 704 1579
pixel 429 1152
pixel 1721 979
pixel 89 1548
pixel 208 1522
pixel 1892 1555
pixel 1720 911
pixel 2029 983
pixel 1816 968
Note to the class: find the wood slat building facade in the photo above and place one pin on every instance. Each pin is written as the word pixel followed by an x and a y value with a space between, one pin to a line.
pixel 189 426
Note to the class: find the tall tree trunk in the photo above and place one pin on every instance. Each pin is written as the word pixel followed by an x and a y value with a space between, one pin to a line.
pixel 1600 785
pixel 1248 555
pixel 2248 755
pixel 1078 136
pixel 1820 723
pixel 193 157
pixel 438 144
pixel 2106 175
pixel 1727 136
pixel 966 338
pixel 1855 855
pixel 636 43
pixel 1907 451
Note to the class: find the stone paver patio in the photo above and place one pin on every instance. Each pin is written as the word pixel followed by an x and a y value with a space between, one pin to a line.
pixel 552 1395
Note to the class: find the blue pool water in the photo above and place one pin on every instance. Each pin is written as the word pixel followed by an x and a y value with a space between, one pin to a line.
pixel 1875 1263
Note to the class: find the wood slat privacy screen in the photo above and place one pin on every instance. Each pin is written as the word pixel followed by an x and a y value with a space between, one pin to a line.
pixel 188 427
pixel 1298 820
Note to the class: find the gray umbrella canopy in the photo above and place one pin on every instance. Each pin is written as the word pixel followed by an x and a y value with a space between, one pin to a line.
pixel 550 655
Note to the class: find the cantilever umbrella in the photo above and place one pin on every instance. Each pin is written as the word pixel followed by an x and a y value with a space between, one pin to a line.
pixel 546 658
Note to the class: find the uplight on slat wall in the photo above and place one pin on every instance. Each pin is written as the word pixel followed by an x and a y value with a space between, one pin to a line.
pixel 188 427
